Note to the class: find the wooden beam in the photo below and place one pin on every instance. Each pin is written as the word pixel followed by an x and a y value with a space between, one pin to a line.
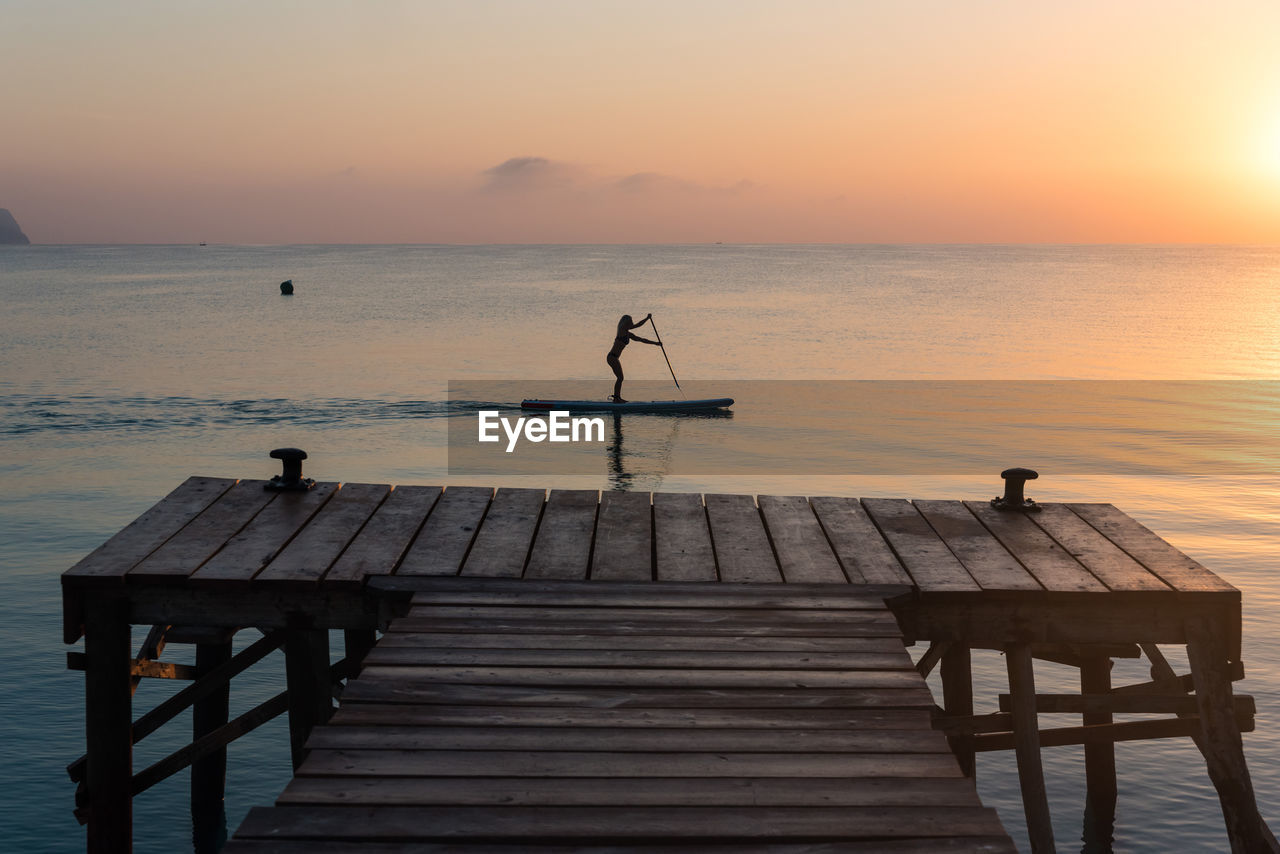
pixel 1220 739
pixel 1122 704
pixel 142 669
pixel 1099 759
pixel 108 720
pixel 306 657
pixel 1035 801
pixel 1105 733
pixel 931 657
pixel 203 687
pixel 957 700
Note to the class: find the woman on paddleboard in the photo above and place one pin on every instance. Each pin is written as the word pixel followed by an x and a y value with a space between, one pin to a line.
pixel 620 341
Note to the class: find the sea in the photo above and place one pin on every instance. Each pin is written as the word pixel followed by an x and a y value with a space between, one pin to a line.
pixel 1143 376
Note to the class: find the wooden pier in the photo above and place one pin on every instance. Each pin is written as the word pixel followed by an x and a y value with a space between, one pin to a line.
pixel 555 667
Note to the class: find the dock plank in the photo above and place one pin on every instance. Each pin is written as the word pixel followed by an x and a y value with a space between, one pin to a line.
pixel 599 824
pixel 682 539
pixel 264 537
pixel 804 554
pixel 624 538
pixel 645 659
pixel 989 562
pixel 562 548
pixel 114 558
pixel 743 552
pixel 1103 558
pixel 857 542
pixel 310 554
pixel 200 539
pixel 1159 556
pixel 926 557
pixel 503 541
pixel 385 538
pixel 447 534
pixel 1052 566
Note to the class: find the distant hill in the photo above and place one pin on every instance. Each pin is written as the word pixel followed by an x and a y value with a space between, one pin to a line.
pixel 10 232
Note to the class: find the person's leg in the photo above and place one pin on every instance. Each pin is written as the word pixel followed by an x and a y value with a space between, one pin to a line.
pixel 617 372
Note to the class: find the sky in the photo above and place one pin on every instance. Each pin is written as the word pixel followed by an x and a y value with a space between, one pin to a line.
pixel 608 121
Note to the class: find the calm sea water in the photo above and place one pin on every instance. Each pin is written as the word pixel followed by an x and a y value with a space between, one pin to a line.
pixel 125 369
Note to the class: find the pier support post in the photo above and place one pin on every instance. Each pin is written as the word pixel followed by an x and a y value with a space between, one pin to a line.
pixel 209 774
pixel 1099 761
pixel 306 664
pixel 957 700
pixel 1220 740
pixel 358 642
pixel 108 709
pixel 1026 740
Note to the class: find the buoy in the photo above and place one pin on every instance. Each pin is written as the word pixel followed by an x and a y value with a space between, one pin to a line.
pixel 286 287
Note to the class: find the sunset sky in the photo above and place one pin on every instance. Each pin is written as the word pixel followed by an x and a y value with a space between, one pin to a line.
pixel 640 122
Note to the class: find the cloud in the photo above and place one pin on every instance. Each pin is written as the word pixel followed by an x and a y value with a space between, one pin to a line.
pixel 531 173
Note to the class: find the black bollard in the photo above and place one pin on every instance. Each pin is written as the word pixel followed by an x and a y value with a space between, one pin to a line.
pixel 291 478
pixel 286 287
pixel 1013 499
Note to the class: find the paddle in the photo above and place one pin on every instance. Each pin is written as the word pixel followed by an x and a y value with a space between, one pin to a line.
pixel 664 352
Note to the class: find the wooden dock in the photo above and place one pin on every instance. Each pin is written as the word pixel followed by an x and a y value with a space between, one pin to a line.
pixel 516 696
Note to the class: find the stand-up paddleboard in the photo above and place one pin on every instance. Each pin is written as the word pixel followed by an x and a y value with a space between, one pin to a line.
pixel 629 406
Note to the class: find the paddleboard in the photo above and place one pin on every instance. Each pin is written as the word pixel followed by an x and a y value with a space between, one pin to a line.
pixel 629 406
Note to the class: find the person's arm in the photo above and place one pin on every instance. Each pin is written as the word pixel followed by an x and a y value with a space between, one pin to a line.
pixel 647 318
pixel 635 337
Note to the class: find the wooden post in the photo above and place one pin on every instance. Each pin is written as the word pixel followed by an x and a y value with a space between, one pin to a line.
pixel 306 664
pixel 108 711
pixel 358 642
pixel 209 774
pixel 1099 761
pixel 1220 740
pixel 957 699
pixel 1026 740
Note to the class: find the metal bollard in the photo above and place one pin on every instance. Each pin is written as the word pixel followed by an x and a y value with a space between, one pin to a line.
pixel 291 478
pixel 1013 498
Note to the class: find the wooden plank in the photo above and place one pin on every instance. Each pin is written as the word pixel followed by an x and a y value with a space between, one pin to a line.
pixel 931 564
pixel 596 824
pixel 622 739
pixel 385 538
pixel 1108 563
pixel 569 763
pixel 743 552
pixel 562 548
pixel 624 538
pixel 640 643
pixel 443 541
pixel 749 658
pixel 534 611
pixel 310 554
pixel 1045 559
pixel 391 691
pixel 983 556
pixel 263 538
pixel 682 539
pixel 186 550
pixel 502 543
pixel 931 845
pixel 654 791
pixel 1089 704
pixel 143 535
pixel 780 718
pixel 644 678
pixel 1153 552
pixel 672 594
pixel 799 541
pixel 862 551
pixel 859 624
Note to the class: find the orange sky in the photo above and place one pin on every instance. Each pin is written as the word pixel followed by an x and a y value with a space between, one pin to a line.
pixel 799 121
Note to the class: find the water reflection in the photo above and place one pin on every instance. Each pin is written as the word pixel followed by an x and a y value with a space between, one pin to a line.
pixel 647 461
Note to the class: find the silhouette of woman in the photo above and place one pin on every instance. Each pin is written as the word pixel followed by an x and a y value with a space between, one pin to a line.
pixel 620 341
